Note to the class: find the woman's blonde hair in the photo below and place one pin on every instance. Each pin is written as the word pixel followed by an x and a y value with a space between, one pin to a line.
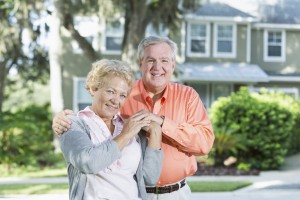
pixel 102 69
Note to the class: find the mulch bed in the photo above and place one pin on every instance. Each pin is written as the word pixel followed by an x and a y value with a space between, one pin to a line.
pixel 224 171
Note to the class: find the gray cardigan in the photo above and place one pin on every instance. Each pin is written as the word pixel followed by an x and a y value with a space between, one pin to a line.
pixel 80 153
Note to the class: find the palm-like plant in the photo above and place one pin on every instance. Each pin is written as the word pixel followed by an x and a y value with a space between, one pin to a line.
pixel 227 143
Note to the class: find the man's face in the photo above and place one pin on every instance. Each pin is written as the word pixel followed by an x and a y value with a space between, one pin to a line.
pixel 157 67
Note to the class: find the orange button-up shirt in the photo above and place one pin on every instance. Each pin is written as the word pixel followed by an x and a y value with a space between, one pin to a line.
pixel 187 130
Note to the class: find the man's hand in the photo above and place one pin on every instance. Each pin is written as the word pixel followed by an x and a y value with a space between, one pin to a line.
pixel 60 122
pixel 155 118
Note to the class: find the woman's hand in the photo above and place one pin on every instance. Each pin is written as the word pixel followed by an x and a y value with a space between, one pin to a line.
pixel 154 129
pixel 132 127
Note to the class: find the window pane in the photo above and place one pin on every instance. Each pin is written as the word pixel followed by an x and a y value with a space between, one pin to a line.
pixel 225 31
pixel 113 27
pixel 274 51
pixel 221 91
pixel 113 43
pixel 198 30
pixel 224 46
pixel 274 37
pixel 198 46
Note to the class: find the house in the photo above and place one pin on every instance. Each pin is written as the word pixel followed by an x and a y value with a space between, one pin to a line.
pixel 221 48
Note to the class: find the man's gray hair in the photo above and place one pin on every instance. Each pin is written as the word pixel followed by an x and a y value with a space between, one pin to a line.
pixel 152 40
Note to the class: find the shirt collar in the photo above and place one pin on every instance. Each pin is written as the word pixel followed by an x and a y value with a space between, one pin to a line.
pixel 89 113
pixel 145 94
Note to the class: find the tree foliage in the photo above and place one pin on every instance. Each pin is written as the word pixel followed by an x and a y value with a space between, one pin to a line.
pixel 20 47
pixel 138 15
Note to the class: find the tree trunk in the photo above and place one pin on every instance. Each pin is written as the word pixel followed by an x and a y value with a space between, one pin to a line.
pixel 135 26
pixel 55 53
pixel 67 21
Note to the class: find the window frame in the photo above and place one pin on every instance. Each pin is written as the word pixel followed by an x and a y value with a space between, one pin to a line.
pixel 117 34
pixel 231 54
pixel 207 40
pixel 268 58
pixel 76 93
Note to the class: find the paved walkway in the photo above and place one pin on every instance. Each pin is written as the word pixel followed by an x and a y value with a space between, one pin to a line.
pixel 270 185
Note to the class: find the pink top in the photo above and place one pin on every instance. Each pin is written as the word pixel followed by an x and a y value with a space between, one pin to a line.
pixel 116 181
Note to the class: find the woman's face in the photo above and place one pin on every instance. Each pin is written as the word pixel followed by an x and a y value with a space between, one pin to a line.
pixel 108 99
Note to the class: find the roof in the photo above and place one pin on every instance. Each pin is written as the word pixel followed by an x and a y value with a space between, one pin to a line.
pixel 222 72
pixel 220 10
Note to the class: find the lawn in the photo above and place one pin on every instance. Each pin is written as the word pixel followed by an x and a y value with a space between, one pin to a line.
pixel 196 186
pixel 60 171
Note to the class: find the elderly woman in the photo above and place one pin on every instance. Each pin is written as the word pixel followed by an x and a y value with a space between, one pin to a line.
pixel 109 157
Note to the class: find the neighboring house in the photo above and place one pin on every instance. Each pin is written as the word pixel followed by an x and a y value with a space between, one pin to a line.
pixel 220 49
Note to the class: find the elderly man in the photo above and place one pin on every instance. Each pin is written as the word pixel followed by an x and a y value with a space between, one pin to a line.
pixel 187 130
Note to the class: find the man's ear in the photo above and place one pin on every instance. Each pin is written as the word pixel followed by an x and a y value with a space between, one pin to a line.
pixel 139 63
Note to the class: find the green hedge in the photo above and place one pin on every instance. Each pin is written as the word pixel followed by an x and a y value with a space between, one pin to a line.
pixel 266 122
pixel 26 137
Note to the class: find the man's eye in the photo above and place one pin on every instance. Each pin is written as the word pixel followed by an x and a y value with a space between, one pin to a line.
pixel 165 61
pixel 150 61
pixel 110 91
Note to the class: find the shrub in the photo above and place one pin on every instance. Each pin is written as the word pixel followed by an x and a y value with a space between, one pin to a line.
pixel 26 137
pixel 265 124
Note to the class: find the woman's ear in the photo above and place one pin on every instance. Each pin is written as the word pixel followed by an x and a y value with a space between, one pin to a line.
pixel 92 91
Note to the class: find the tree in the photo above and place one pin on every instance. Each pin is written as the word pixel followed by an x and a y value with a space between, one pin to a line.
pixel 23 54
pixel 138 15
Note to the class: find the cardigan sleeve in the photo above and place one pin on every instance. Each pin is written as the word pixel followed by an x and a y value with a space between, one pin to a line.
pixel 79 150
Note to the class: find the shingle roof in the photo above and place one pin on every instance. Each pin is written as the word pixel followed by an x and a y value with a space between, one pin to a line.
pixel 219 10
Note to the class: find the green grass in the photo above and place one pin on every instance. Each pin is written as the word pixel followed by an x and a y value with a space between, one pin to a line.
pixel 195 186
pixel 217 186
pixel 59 170
pixel 7 189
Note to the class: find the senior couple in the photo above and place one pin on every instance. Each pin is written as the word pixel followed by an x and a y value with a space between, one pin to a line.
pixel 138 140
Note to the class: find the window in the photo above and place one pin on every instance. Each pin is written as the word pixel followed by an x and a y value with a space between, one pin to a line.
pixel 225 40
pixel 162 31
pixel 88 28
pixel 221 90
pixel 274 46
pixel 113 36
pixel 198 40
pixel 81 97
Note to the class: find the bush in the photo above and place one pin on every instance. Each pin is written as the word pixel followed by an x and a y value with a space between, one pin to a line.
pixel 26 137
pixel 262 120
